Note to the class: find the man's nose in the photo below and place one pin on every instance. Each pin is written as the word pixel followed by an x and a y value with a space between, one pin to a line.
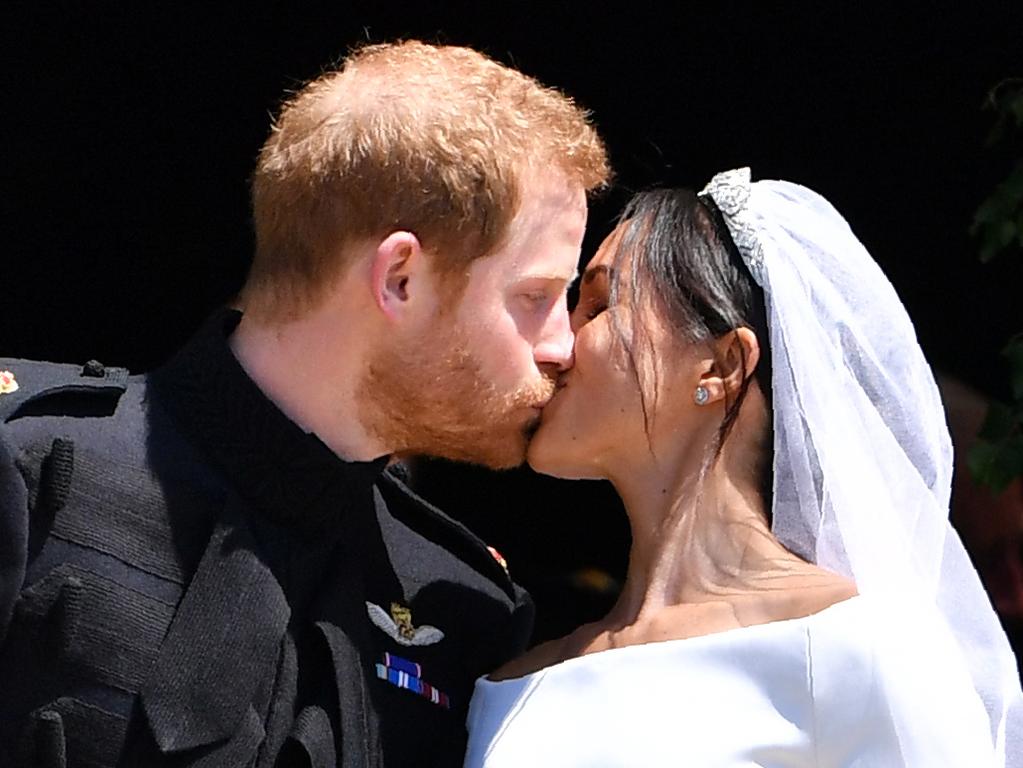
pixel 557 342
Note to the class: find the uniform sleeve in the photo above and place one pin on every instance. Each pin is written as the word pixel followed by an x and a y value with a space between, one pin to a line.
pixel 13 532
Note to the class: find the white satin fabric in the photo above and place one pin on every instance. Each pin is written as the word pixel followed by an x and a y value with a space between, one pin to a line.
pixel 859 684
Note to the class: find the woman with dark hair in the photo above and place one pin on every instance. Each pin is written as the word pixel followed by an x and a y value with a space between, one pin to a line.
pixel 749 382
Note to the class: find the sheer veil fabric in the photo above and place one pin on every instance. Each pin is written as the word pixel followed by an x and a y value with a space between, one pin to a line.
pixel 863 457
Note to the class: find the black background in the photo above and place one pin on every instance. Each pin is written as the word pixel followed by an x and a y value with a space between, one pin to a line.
pixel 129 131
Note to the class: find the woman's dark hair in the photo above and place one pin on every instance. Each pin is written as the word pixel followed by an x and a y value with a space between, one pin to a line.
pixel 678 254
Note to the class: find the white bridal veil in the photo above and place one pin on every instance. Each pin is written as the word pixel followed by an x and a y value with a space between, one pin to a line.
pixel 863 458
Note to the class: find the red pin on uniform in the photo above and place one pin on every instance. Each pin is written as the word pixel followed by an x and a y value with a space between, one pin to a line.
pixel 8 383
pixel 499 558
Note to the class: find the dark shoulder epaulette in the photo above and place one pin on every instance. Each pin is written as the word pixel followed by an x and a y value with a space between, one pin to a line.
pixel 34 387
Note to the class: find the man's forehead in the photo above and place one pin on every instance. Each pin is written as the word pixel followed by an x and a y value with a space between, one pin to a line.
pixel 556 260
pixel 548 198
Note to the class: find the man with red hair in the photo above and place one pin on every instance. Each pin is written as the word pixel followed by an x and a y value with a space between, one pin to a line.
pixel 212 564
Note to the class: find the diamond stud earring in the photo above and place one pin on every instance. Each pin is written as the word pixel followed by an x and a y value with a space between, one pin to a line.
pixel 701 396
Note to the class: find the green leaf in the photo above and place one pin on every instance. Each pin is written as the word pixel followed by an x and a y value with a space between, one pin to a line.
pixel 999 423
pixel 1010 460
pixel 980 459
pixel 995 465
pixel 998 220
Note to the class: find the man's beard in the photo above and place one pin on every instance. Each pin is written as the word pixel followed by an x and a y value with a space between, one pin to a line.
pixel 430 397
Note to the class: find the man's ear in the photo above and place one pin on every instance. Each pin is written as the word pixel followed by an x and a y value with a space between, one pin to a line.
pixel 735 358
pixel 397 262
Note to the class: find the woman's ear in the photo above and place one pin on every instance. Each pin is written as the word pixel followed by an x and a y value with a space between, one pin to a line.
pixel 735 358
pixel 396 271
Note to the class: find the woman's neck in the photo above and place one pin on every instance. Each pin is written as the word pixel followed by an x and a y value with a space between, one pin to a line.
pixel 698 535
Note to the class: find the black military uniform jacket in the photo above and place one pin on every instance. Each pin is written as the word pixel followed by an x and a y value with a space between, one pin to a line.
pixel 189 579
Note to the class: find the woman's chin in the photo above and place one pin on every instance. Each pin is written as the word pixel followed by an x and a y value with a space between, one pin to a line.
pixel 542 452
pixel 549 454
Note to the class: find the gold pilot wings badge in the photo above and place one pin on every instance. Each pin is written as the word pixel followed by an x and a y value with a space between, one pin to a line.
pixel 399 627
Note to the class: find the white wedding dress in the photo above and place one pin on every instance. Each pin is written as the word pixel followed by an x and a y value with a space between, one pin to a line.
pixel 853 685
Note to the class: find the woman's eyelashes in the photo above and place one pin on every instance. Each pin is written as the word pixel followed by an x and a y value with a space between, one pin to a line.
pixel 589 307
pixel 595 298
pixel 593 295
pixel 594 308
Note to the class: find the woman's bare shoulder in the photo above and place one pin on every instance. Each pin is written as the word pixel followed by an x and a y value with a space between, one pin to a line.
pixel 548 654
